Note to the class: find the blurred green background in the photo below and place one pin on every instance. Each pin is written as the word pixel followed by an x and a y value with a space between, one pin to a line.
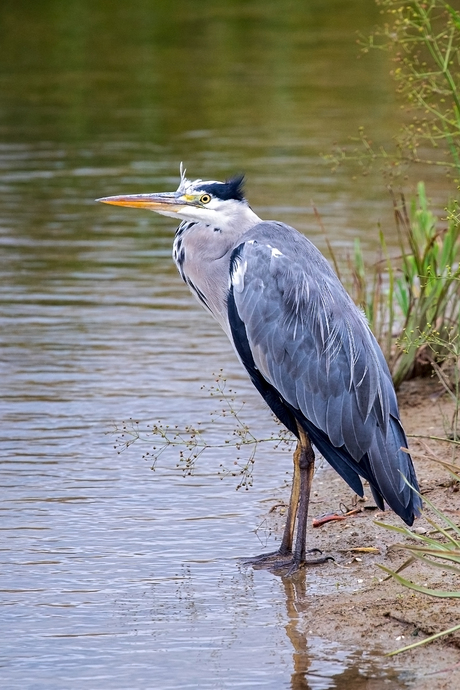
pixel 100 97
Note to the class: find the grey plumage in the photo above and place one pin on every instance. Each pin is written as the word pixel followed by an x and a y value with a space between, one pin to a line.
pixel 306 346
pixel 313 345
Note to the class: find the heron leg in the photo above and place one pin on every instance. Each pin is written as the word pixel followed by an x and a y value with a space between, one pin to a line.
pixel 285 550
pixel 288 535
pixel 304 463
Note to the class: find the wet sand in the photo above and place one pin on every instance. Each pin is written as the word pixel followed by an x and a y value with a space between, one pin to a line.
pixel 360 606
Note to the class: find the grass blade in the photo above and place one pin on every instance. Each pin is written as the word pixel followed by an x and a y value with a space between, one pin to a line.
pixel 425 641
pixel 419 588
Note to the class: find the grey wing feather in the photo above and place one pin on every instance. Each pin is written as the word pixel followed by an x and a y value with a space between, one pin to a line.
pixel 311 343
pixel 308 339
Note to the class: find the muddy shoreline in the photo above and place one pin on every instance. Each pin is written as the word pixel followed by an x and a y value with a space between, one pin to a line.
pixel 362 608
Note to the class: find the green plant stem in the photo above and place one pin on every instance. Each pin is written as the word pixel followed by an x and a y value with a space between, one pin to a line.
pixel 425 641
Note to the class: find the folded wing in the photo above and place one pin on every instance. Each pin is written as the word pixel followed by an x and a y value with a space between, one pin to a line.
pixel 311 345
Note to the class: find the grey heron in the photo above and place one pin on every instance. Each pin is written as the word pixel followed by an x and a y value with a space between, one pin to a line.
pixel 305 345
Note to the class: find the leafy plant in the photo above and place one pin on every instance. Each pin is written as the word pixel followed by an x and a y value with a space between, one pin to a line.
pixel 427 293
pixel 412 301
pixel 423 39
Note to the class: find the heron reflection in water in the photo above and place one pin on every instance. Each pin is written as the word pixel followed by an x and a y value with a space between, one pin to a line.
pixel 305 345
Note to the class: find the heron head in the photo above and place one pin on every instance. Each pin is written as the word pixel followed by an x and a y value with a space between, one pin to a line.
pixel 208 201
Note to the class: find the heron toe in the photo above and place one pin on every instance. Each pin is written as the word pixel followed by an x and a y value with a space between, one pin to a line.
pixel 277 560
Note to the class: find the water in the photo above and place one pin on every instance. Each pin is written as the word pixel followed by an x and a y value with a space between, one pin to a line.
pixel 114 576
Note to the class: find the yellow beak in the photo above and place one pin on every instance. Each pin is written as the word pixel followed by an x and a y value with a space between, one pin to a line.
pixel 167 201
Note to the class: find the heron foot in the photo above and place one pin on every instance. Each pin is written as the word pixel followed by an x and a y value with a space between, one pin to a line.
pixel 265 560
pixel 293 564
pixel 280 560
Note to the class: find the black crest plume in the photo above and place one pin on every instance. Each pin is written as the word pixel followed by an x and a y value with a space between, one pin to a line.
pixel 230 189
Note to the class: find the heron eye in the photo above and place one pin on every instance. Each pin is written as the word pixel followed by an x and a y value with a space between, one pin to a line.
pixel 205 198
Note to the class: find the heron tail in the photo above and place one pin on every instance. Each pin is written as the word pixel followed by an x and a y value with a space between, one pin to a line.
pixel 393 475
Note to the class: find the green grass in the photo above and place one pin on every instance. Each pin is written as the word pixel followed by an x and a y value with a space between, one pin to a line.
pixel 412 301
pixel 440 549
